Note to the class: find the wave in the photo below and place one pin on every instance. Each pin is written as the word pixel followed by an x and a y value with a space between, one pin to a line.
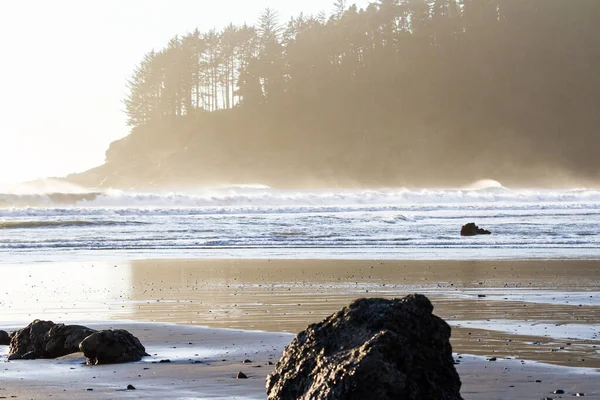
pixel 483 184
pixel 46 200
pixel 63 224
pixel 257 197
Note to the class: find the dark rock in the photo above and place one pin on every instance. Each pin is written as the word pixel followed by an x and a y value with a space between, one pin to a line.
pixel 471 230
pixel 492 359
pixel 14 357
pixel 112 346
pixel 130 387
pixel 164 361
pixel 559 391
pixel 241 375
pixel 4 338
pixel 247 362
pixel 372 349
pixel 45 339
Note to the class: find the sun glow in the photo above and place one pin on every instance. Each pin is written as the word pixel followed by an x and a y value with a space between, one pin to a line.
pixel 65 65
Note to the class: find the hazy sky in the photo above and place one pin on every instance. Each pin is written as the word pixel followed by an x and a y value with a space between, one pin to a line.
pixel 64 66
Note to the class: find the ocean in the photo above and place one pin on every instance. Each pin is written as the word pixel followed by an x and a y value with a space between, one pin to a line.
pixel 254 221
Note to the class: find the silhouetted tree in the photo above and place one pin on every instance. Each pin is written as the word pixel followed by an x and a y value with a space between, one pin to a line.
pixel 409 79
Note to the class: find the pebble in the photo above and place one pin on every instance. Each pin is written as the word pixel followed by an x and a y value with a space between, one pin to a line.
pixel 241 375
pixel 130 387
pixel 559 391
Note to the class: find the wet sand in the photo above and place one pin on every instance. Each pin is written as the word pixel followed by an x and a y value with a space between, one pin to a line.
pixel 544 311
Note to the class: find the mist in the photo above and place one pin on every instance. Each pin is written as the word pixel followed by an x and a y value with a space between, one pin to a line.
pixel 417 93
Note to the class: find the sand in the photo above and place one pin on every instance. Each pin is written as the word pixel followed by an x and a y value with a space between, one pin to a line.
pixel 542 315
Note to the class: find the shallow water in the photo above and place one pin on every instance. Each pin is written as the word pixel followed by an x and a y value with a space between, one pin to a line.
pixel 260 222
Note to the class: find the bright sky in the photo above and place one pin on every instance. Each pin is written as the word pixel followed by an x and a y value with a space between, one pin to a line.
pixel 64 66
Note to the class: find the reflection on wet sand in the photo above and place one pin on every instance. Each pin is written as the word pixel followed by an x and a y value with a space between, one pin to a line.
pixel 285 296
pixel 288 295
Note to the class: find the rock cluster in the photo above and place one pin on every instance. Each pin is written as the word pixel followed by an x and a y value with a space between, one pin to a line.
pixel 372 349
pixel 45 339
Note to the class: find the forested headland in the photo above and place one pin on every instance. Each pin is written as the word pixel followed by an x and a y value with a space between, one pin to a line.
pixel 403 92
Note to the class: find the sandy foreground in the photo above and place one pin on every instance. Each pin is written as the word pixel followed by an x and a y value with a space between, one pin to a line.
pixel 540 319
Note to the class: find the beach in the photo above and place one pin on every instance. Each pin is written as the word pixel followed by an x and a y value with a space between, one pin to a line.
pixel 539 319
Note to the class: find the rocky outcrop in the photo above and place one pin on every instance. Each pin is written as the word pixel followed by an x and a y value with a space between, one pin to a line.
pixel 472 230
pixel 45 339
pixel 372 349
pixel 4 338
pixel 112 346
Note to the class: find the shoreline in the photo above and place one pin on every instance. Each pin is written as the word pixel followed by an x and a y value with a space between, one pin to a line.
pixel 542 313
pixel 203 363
pixel 310 254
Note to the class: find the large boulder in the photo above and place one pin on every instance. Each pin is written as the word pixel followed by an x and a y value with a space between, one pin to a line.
pixel 4 338
pixel 372 349
pixel 472 230
pixel 112 346
pixel 45 339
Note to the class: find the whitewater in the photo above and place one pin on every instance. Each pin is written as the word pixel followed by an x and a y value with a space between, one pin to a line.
pixel 254 221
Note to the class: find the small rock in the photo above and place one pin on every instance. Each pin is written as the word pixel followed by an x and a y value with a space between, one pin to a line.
pixel 112 346
pixel 164 361
pixel 579 394
pixel 492 359
pixel 559 391
pixel 247 362
pixel 241 375
pixel 4 338
pixel 130 387
pixel 472 230
pixel 481 295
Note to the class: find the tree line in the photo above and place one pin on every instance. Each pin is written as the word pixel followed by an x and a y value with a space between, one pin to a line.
pixel 505 81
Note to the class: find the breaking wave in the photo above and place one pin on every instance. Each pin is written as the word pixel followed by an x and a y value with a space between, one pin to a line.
pixel 62 224
pixel 267 197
